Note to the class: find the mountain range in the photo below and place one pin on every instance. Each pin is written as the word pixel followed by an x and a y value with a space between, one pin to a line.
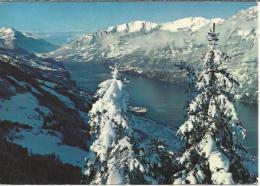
pixel 154 49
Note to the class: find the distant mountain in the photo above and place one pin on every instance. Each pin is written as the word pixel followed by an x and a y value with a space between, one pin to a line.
pixel 12 39
pixel 132 27
pixel 59 38
pixel 154 49
pixel 189 23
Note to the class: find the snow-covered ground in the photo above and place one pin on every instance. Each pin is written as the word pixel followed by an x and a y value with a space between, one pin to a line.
pixel 21 108
pixel 41 141
pixel 44 142
pixel 36 92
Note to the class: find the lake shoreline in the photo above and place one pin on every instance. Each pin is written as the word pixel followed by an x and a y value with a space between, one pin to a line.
pixel 165 101
pixel 135 73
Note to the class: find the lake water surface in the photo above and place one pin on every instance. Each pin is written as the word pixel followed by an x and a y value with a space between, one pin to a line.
pixel 164 100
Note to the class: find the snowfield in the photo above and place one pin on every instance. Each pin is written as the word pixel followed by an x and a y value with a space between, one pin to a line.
pixel 43 143
pixel 21 108
pixel 40 141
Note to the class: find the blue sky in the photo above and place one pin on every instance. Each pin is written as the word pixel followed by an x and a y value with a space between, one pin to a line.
pixel 90 17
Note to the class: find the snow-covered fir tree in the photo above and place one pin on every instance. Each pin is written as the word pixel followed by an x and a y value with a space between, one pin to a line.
pixel 213 134
pixel 116 161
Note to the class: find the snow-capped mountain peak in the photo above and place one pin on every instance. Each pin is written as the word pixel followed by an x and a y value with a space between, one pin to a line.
pixel 251 11
pixel 189 23
pixel 134 26
pixel 247 14
pixel 7 30
pixel 11 39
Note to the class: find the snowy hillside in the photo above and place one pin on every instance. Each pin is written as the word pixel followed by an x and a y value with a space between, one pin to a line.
pixel 154 49
pixel 10 38
pixel 135 26
pixel 37 93
pixel 189 23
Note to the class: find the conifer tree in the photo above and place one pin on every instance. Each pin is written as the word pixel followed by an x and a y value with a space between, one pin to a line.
pixel 116 161
pixel 213 134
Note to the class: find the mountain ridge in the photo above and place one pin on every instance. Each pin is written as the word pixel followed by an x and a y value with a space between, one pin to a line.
pixel 12 39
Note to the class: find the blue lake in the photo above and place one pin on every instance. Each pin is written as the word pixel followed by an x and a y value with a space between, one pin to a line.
pixel 164 100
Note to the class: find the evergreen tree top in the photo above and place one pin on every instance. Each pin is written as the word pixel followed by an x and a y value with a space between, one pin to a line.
pixel 213 37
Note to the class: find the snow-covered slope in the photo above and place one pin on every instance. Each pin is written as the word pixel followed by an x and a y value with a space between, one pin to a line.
pixel 131 27
pixel 189 23
pixel 154 48
pixel 38 93
pixel 11 38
